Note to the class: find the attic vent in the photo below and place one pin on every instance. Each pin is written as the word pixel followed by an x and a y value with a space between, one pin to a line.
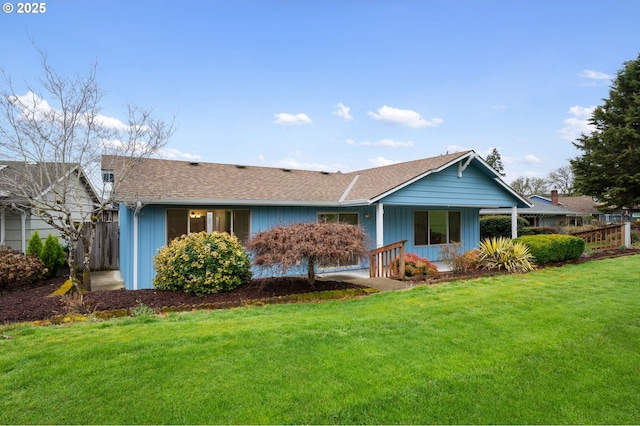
pixel 240 166
pixel 194 163
pixel 286 170
pixel 325 173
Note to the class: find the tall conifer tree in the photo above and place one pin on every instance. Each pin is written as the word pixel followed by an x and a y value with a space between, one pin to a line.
pixel 609 168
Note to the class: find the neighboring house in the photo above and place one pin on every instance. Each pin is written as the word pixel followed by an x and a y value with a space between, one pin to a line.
pixel 429 202
pixel 543 212
pixel 17 220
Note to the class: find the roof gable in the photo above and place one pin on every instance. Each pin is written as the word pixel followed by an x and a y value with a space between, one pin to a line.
pixel 37 179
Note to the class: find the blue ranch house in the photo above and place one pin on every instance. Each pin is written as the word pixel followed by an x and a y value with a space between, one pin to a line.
pixel 429 203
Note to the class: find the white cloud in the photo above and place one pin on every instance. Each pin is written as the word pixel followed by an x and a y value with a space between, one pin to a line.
pixel 172 153
pixel 382 142
pixel 291 119
pixel 292 163
pixel 110 122
pixel 577 124
pixel 35 107
pixel 381 161
pixel 595 75
pixel 343 112
pixel 531 159
pixel 403 117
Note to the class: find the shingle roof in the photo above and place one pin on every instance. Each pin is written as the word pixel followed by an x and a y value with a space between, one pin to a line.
pixel 582 204
pixel 29 179
pixel 538 207
pixel 170 181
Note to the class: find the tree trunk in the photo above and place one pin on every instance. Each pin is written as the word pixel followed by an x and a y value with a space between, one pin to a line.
pixel 311 269
pixel 71 261
pixel 87 244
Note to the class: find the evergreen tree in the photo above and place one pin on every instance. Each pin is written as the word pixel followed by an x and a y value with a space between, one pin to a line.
pixel 52 255
pixel 495 160
pixel 609 168
pixel 34 246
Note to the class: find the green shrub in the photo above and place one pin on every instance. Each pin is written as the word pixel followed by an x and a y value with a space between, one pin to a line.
pixel 500 252
pixel 34 246
pixel 553 247
pixel 18 269
pixel 537 230
pixel 499 226
pixel 52 255
pixel 202 264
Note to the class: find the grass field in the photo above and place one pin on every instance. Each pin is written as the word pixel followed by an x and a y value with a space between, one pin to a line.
pixel 559 345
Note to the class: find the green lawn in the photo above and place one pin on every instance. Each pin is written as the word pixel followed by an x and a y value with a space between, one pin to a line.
pixel 559 345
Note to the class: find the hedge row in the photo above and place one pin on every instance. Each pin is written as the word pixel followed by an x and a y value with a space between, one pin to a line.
pixel 547 248
pixel 499 226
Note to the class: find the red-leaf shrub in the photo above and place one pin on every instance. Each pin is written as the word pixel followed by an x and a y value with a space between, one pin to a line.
pixel 18 269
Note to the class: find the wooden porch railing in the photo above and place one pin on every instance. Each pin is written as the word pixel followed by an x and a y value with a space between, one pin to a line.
pixel 388 261
pixel 610 237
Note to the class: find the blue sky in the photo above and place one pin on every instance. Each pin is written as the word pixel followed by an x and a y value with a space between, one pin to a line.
pixel 342 85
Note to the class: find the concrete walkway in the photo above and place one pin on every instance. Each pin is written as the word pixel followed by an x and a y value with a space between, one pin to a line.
pixel 361 277
pixel 106 280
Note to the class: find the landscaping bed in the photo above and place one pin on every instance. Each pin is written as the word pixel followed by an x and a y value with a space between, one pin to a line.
pixel 33 303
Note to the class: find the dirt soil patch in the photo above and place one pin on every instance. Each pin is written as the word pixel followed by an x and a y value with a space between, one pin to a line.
pixel 34 303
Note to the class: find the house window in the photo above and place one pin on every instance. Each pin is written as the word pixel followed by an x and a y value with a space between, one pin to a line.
pixel 351 218
pixel 184 222
pixel 435 227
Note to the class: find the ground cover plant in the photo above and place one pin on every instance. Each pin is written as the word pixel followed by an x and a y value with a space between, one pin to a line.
pixel 557 345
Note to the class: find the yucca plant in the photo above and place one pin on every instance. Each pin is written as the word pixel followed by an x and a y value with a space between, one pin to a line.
pixel 502 252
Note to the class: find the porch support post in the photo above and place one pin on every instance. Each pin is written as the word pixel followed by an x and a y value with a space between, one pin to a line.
pixel 136 243
pixel 379 225
pixel 514 222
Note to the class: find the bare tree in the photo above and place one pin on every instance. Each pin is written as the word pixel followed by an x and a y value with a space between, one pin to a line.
pixel 318 243
pixel 562 180
pixel 527 186
pixel 57 132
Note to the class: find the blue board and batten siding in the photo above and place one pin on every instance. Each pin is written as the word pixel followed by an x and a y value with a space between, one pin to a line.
pixel 152 231
pixel 445 189
pixel 437 191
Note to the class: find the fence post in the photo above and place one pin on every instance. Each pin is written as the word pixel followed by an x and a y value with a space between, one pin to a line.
pixel 627 234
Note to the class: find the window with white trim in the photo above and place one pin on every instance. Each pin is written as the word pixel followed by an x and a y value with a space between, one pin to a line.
pixel 436 227
pixel 184 222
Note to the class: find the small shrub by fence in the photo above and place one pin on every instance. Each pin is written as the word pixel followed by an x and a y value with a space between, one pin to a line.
pixel 388 261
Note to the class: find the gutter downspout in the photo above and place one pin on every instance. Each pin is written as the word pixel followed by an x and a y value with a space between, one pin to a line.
pixel 136 213
pixel 23 226
pixel 514 222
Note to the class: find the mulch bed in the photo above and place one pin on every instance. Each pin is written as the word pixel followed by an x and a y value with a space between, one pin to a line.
pixel 33 303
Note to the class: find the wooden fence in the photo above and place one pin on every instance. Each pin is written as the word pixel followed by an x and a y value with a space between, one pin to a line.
pixel 610 237
pixel 105 253
pixel 388 261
